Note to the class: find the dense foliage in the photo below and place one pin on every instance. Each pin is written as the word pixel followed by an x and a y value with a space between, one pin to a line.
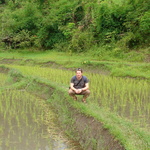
pixel 77 26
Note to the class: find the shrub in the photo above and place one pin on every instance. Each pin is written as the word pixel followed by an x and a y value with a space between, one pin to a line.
pixel 81 41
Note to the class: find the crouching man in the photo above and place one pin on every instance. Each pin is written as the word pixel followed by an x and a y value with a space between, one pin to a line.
pixel 79 86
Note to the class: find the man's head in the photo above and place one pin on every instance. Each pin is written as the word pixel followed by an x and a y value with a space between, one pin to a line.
pixel 79 73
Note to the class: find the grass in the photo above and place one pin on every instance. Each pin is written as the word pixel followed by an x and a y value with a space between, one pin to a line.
pixel 85 60
pixel 118 127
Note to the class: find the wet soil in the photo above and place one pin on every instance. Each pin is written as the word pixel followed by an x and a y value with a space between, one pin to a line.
pixel 4 70
pixel 9 61
pixel 93 134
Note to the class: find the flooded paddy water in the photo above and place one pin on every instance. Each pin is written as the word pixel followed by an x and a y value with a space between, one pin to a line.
pixel 28 123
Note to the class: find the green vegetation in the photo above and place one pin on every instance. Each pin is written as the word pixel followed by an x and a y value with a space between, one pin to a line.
pixel 101 27
pixel 120 68
pixel 132 134
pixel 26 119
pixel 46 39
pixel 3 78
pixel 127 96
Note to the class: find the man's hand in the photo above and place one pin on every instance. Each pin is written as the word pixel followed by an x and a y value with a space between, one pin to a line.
pixel 78 91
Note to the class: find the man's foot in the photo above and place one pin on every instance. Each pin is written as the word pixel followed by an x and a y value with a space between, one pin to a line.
pixel 84 100
pixel 75 98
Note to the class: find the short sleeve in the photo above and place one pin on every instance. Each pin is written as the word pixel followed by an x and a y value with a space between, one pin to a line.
pixel 86 79
pixel 72 79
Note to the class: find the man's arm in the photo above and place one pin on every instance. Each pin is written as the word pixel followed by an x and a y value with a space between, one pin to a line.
pixel 86 87
pixel 79 90
pixel 74 89
pixel 71 86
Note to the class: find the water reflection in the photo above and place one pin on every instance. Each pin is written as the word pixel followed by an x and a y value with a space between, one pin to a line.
pixel 24 121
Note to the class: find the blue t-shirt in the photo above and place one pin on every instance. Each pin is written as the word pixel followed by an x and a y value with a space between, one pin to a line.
pixel 78 84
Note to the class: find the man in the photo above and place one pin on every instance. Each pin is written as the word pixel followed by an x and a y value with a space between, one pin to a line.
pixel 79 86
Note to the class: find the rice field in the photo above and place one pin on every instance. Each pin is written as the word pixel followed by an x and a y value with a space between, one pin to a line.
pixel 27 122
pixel 126 97
pixel 3 79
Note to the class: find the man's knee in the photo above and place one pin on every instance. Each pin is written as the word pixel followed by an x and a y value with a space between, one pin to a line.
pixel 71 92
pixel 87 92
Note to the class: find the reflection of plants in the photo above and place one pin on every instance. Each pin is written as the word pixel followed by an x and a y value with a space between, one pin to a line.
pixel 23 115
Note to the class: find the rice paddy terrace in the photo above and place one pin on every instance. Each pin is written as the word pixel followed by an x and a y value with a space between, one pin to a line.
pixel 27 122
pixel 119 105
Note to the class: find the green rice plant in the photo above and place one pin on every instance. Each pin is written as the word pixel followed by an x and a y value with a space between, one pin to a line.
pixel 128 97
pixel 124 97
pixel 3 79
pixel 27 118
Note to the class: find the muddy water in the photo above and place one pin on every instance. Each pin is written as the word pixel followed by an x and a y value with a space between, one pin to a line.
pixel 27 123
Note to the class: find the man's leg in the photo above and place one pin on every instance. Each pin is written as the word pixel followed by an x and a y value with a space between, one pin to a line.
pixel 85 95
pixel 72 94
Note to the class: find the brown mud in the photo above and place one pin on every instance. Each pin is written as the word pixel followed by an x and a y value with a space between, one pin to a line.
pixel 93 134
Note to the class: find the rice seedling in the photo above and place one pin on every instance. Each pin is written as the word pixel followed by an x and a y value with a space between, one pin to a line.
pixel 3 79
pixel 125 96
pixel 25 120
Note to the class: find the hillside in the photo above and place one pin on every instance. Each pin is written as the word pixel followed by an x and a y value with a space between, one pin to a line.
pixel 100 27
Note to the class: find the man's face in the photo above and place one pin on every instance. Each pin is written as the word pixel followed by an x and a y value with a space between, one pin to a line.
pixel 78 74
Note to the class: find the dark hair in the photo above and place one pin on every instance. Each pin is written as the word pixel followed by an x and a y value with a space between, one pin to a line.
pixel 79 69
